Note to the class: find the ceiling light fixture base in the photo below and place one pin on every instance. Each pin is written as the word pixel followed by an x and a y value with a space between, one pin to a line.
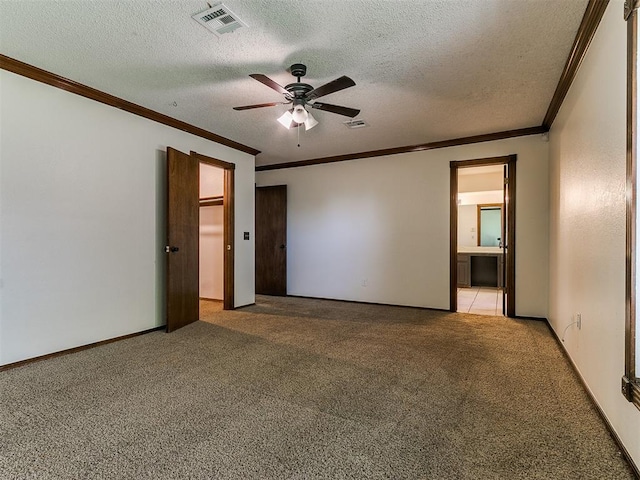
pixel 298 70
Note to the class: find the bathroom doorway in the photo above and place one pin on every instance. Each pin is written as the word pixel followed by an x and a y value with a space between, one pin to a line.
pixel 483 236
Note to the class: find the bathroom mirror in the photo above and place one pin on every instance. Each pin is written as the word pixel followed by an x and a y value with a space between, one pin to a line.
pixel 490 225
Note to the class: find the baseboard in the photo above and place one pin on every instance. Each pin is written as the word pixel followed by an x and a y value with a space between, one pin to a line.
pixel 245 306
pixel 371 303
pixel 76 349
pixel 612 432
pixel 537 319
pixel 518 317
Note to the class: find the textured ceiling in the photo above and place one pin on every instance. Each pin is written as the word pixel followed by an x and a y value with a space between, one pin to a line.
pixel 425 70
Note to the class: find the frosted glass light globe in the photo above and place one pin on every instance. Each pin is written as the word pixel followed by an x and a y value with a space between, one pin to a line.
pixel 300 115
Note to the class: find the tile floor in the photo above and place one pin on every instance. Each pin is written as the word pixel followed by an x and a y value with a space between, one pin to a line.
pixel 480 300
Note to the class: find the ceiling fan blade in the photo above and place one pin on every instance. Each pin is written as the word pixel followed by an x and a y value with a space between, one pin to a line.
pixel 268 82
pixel 338 84
pixel 260 105
pixel 346 111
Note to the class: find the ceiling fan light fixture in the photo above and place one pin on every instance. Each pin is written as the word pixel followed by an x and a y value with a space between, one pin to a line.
pixel 300 115
pixel 286 119
pixel 300 95
pixel 310 122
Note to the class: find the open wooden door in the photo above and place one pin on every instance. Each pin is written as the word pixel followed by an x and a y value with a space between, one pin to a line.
pixel 271 240
pixel 504 238
pixel 182 252
pixel 509 239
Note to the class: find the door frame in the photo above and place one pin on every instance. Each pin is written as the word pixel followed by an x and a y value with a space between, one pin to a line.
pixel 228 209
pixel 510 241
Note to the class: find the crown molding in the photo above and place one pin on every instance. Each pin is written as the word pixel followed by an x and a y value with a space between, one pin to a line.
pixel 590 21
pixel 43 76
pixel 629 7
pixel 521 132
pixel 588 26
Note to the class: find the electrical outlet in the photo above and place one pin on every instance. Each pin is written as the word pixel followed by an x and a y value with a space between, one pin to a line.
pixel 579 320
pixel 364 282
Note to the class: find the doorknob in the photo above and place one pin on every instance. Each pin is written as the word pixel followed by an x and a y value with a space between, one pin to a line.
pixel 169 249
pixel 282 247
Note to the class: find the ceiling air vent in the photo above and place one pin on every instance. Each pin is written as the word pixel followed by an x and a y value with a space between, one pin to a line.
pixel 356 124
pixel 219 19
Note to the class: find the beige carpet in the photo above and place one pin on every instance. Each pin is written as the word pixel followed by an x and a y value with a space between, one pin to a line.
pixel 309 389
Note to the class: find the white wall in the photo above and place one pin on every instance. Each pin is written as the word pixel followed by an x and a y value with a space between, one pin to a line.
pixel 467 225
pixel 211 234
pixel 474 198
pixel 377 229
pixel 212 252
pixel 587 228
pixel 468 181
pixel 211 181
pixel 81 219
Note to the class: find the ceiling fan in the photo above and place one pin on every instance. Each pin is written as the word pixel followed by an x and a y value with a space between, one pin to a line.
pixel 301 95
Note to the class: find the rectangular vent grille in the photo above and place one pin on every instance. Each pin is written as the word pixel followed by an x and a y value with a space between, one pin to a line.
pixel 213 15
pixel 227 20
pixel 356 124
pixel 219 19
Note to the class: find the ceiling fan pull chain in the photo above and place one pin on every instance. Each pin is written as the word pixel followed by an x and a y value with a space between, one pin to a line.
pixel 298 136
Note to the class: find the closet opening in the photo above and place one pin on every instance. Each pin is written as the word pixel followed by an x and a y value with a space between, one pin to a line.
pixel 211 239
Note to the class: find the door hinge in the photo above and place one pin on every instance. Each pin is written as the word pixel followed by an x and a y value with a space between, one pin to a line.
pixel 506 181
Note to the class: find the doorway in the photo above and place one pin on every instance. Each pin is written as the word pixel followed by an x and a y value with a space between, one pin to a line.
pixel 490 216
pixel 211 245
pixel 228 224
pixel 482 234
pixel 183 225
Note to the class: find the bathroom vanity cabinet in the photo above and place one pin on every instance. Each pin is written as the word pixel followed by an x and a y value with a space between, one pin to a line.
pixel 480 268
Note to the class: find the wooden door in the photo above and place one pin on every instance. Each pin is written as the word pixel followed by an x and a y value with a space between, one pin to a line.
pixel 271 240
pixel 505 240
pixel 182 252
pixel 509 239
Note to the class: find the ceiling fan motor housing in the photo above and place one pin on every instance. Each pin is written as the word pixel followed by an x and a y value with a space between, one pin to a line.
pixel 298 90
pixel 298 70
